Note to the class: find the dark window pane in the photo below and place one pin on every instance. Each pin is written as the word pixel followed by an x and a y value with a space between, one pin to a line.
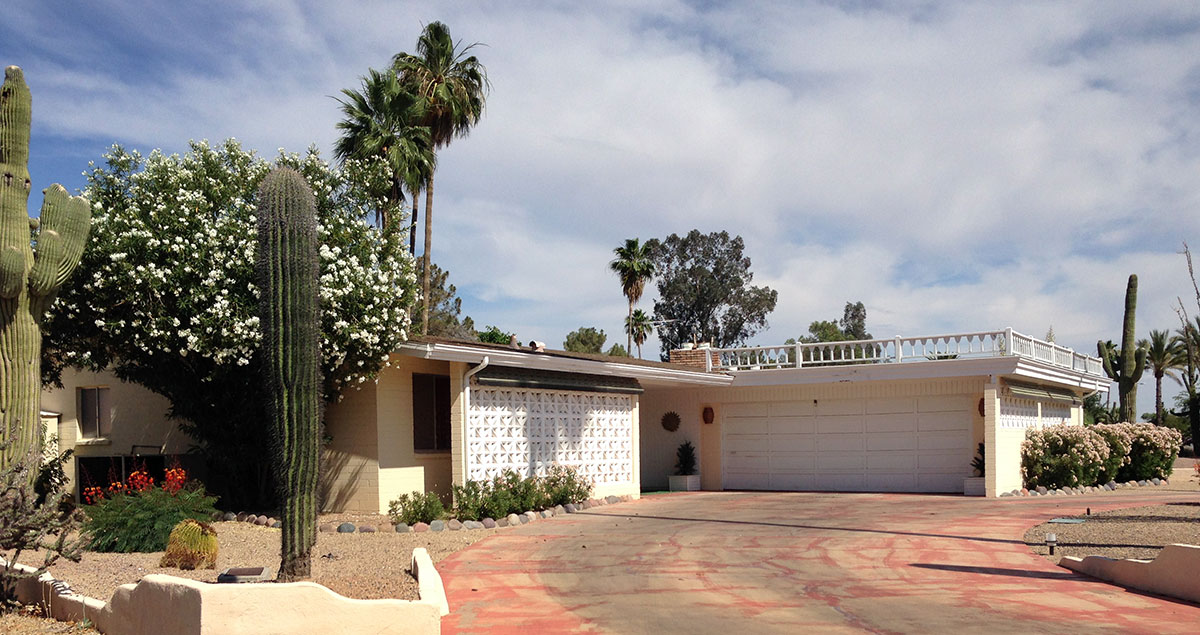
pixel 443 413
pixel 87 413
pixel 424 412
pixel 104 412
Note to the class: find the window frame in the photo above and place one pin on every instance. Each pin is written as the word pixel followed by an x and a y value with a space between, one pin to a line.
pixel 97 426
pixel 440 433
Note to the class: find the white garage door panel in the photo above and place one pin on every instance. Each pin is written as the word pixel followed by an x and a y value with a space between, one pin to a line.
pixel 891 423
pixel 943 420
pixel 903 444
pixel 791 425
pixel 792 443
pixel 891 441
pixel 791 409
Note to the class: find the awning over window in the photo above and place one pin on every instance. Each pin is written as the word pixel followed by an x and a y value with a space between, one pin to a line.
pixel 1042 393
pixel 509 377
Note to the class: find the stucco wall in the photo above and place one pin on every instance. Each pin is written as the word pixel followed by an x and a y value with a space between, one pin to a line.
pixel 139 417
pixel 350 470
pixel 658 445
pixel 402 469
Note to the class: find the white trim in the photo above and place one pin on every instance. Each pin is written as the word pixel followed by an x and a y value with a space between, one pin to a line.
pixel 529 359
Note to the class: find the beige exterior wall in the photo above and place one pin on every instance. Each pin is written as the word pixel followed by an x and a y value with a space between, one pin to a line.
pixel 350 470
pixel 138 416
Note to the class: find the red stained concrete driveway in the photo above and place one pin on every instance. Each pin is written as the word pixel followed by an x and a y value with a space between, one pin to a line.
pixel 737 562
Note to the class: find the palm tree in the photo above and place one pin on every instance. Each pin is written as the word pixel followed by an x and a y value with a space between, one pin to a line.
pixel 384 119
pixel 634 267
pixel 452 86
pixel 1163 355
pixel 638 326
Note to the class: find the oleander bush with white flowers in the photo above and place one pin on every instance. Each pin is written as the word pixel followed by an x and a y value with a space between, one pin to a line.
pixel 1079 456
pixel 167 297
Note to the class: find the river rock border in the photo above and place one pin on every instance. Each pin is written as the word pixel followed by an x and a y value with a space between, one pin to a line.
pixel 1091 489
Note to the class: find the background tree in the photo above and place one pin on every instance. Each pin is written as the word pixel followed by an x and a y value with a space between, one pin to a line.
pixel 452 86
pixel 852 326
pixel 493 335
pixel 616 350
pixel 385 120
pixel 704 291
pixel 169 299
pixel 1189 337
pixel 446 308
pixel 585 339
pixel 634 267
pixel 1163 356
pixel 638 326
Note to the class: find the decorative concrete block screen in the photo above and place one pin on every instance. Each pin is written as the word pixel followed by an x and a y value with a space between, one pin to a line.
pixel 529 430
pixel 1018 413
pixel 1055 414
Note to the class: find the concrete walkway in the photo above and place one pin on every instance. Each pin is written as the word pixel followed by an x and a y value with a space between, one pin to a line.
pixel 712 562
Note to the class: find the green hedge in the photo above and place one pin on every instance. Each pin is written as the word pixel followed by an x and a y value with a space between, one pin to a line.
pixel 508 493
pixel 1079 456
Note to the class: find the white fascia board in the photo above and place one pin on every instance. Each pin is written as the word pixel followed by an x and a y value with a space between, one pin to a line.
pixel 1062 376
pixel 940 369
pixel 523 359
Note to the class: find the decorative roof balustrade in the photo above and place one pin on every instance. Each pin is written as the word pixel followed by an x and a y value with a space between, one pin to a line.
pixel 903 350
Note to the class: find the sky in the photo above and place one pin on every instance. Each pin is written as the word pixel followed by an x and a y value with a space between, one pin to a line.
pixel 956 166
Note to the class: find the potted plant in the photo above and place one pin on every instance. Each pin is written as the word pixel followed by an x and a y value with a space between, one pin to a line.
pixel 685 478
pixel 975 485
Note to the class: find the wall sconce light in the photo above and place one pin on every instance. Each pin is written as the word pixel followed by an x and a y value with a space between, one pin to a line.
pixel 1051 541
pixel 708 414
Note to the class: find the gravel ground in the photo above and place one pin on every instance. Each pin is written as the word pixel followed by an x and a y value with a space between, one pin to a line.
pixel 358 565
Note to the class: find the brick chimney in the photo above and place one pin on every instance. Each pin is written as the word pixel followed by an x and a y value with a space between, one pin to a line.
pixel 694 357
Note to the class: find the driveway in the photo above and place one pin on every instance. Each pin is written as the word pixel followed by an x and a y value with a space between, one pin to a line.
pixel 711 562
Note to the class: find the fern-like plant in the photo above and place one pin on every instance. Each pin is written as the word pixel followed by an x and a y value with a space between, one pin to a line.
pixel 142 521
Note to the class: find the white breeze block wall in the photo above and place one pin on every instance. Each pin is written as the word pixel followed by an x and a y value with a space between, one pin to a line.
pixel 528 430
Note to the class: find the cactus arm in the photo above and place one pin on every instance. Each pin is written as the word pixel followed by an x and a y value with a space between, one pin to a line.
pixel 1106 359
pixel 66 221
pixel 1139 364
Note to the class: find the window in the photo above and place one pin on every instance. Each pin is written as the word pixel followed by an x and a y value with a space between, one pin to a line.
pixel 431 412
pixel 95 417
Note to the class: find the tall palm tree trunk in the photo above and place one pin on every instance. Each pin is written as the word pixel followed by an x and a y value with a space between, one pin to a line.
pixel 412 228
pixel 1158 407
pixel 629 331
pixel 425 261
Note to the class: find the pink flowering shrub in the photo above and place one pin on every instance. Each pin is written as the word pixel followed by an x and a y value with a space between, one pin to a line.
pixel 1062 456
pixel 1075 456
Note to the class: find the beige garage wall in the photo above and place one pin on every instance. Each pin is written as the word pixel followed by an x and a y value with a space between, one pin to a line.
pixel 657 444
pixel 139 417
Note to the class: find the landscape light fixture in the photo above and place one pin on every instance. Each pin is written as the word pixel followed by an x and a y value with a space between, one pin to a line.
pixel 1051 541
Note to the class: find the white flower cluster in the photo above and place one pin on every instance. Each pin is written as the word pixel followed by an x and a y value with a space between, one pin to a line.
pixel 168 276
pixel 1072 456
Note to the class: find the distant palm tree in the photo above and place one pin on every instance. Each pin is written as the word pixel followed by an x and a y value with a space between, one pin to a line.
pixel 384 119
pixel 452 86
pixel 634 267
pixel 1163 355
pixel 638 326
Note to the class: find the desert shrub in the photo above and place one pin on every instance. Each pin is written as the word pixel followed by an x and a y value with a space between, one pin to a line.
pixel 1062 456
pixel 564 485
pixel 1152 452
pixel 527 492
pixel 500 502
pixel 1120 439
pixel 130 519
pixel 52 477
pixel 416 508
pixel 30 521
pixel 469 499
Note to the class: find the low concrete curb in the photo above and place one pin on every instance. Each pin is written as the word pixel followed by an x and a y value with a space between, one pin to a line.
pixel 1172 573
pixel 167 604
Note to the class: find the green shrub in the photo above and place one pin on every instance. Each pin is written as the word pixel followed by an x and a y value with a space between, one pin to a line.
pixel 1152 452
pixel 416 508
pixel 564 485
pixel 1120 439
pixel 500 502
pixel 527 492
pixel 1062 456
pixel 470 499
pixel 142 521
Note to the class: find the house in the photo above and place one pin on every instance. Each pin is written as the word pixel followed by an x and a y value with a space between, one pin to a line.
pixel 902 414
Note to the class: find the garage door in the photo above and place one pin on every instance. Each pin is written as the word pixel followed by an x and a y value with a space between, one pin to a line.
pixel 917 444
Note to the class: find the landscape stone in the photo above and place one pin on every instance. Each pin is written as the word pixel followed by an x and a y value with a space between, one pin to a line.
pixel 473 524
pixel 1142 483
pixel 524 519
pixel 229 516
pixel 437 525
pixel 262 521
pixel 420 527
pixel 240 517
pixel 1005 494
pixel 1041 489
pixel 559 510
pixel 277 525
pixel 531 515
pixel 546 513
pixel 1156 481
pixel 454 525
pixel 503 522
pixel 346 528
pixel 367 529
pixel 488 523
pixel 612 499
pixel 570 508
pixel 326 528
pixel 512 520
pixel 403 528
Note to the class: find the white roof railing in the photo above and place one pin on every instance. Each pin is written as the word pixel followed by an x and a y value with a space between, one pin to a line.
pixel 903 350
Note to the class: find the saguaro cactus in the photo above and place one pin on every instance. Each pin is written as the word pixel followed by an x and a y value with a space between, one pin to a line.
pixel 1125 365
pixel 290 313
pixel 29 278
